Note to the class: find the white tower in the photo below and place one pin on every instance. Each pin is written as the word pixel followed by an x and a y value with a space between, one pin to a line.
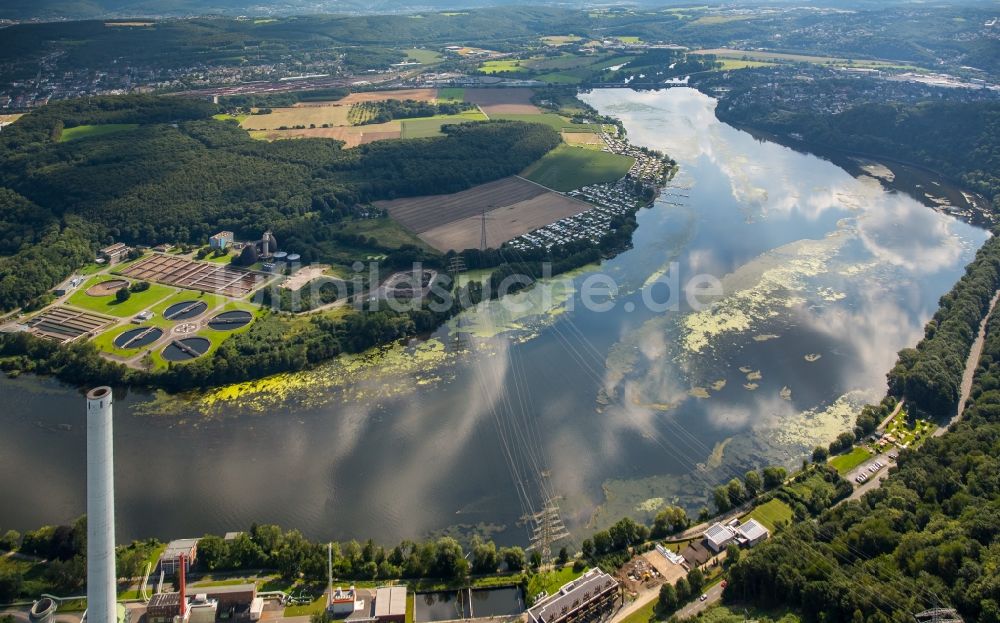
pixel 101 590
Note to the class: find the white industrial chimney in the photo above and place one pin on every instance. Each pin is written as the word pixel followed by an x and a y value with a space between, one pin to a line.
pixel 101 589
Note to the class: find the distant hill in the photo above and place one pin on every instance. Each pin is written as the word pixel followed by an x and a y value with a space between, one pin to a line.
pixel 49 10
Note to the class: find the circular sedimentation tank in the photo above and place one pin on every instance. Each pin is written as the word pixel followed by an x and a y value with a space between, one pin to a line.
pixel 185 310
pixel 227 321
pixel 106 288
pixel 42 610
pixel 138 337
pixel 186 349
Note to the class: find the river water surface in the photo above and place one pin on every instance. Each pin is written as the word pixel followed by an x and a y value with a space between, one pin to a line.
pixel 825 276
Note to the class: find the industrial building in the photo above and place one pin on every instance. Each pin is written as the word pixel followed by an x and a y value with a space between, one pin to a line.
pixel 114 253
pixel 176 608
pixel 221 241
pixel 747 534
pixel 163 607
pixel 718 536
pixel 343 603
pixel 171 556
pixel 591 594
pixel 390 604
pixel 751 532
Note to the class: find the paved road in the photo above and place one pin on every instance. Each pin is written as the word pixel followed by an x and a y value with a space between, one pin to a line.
pixel 697 606
pixel 970 367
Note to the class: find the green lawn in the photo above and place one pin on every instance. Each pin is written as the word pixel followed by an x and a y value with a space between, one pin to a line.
pixel 907 433
pixel 733 63
pixel 551 581
pixel 108 305
pixel 226 116
pixel 642 615
pixel 315 607
pixel 739 614
pixel 425 127
pixel 84 131
pixel 451 94
pixel 567 168
pixel 426 57
pixel 771 513
pixel 844 463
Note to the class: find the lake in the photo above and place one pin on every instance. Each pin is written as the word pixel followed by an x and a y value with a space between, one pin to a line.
pixel 824 276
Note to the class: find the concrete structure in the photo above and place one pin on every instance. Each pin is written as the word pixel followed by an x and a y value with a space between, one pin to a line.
pixel 718 536
pixel 751 533
pixel 171 556
pixel 344 602
pixel 101 575
pixel 390 604
pixel 231 596
pixel 582 599
pixel 222 240
pixel 672 556
pixel 115 253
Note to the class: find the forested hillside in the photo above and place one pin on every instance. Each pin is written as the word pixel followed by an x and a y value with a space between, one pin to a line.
pixel 960 140
pixel 179 176
pixel 928 537
pixel 930 375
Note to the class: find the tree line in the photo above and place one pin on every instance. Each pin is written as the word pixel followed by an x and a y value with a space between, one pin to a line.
pixel 365 113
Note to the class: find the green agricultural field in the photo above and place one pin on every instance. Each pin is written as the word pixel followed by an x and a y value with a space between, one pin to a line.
pixel 388 232
pixel 567 168
pixel 560 77
pixel 771 514
pixel 85 131
pixel 844 463
pixel 111 307
pixel 729 64
pixel 451 94
pixel 554 121
pixel 427 57
pixel 504 65
pixel 628 39
pixel 558 40
pixel 426 127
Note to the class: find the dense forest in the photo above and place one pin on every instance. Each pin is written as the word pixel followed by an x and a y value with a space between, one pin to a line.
pixel 179 176
pixel 928 537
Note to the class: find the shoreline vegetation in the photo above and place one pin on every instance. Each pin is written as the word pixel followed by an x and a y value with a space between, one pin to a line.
pixel 333 185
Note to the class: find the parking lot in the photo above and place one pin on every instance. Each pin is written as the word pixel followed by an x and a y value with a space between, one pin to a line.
pixel 871 478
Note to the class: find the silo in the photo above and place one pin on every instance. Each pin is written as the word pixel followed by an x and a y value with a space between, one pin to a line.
pixel 101 593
